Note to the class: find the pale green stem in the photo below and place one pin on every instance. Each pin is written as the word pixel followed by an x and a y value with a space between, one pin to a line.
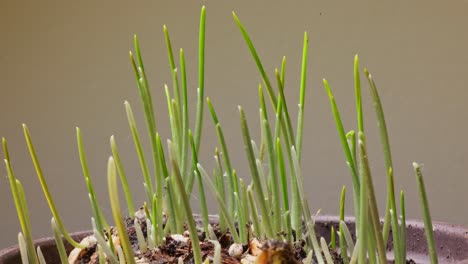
pixel 403 227
pixel 201 79
pixel 98 215
pixel 139 148
pixel 300 115
pixel 374 213
pixel 59 242
pixel 255 174
pixel 45 189
pixel 347 151
pixel 123 177
pixel 197 257
pixel 386 151
pixel 222 206
pixel 325 250
pixel 428 227
pixel 116 211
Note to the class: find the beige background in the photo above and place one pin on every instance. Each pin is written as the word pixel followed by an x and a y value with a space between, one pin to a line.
pixel 64 64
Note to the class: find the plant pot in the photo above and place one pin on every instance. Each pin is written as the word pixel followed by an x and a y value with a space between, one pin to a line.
pixel 451 241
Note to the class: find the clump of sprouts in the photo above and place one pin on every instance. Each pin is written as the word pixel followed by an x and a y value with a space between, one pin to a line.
pixel 276 191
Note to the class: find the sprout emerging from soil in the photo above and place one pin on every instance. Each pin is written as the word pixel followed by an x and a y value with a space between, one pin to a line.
pixel 165 229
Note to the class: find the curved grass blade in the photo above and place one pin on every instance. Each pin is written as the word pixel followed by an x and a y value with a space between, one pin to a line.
pixel 347 151
pixel 98 215
pixel 146 99
pixel 21 207
pixel 45 189
pixel 256 58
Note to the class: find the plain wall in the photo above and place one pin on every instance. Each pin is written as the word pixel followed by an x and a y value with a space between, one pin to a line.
pixel 65 64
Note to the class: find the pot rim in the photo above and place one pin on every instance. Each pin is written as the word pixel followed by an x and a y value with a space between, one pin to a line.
pixel 461 232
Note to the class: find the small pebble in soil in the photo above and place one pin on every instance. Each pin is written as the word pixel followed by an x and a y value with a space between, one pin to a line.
pixel 236 250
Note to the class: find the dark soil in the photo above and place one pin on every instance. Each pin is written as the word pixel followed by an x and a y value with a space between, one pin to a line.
pixel 172 249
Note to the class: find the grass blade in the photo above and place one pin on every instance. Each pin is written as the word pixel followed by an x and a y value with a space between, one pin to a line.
pixel 116 211
pixel 139 148
pixel 391 204
pixel 123 177
pixel 403 227
pixel 45 189
pixel 357 92
pixel 23 249
pixel 141 239
pixel 305 207
pixel 188 212
pixel 232 185
pixel 255 174
pixel 343 247
pixel 348 237
pixel 325 250
pixel 59 242
pixel 276 205
pixel 201 79
pixel 347 151
pixel 172 65
pixel 104 245
pixel 201 189
pixel 40 256
pixel 185 114
pixel 222 207
pixel 98 215
pixel 300 116
pixel 257 60
pixel 21 208
pixel 372 202
pixel 254 213
pixel 428 227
